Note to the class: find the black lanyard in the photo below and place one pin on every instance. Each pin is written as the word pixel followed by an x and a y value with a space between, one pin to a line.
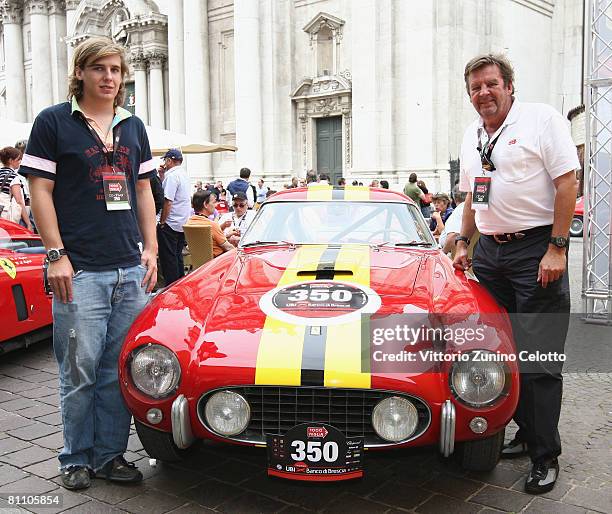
pixel 240 220
pixel 485 153
pixel 109 156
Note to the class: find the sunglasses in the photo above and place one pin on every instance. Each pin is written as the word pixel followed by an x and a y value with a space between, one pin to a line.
pixel 239 204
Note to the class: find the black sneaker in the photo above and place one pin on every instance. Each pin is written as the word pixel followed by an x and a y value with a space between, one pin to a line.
pixel 76 477
pixel 542 477
pixel 514 449
pixel 120 470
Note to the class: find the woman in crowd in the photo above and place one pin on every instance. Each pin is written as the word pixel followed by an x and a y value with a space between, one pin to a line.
pixel 443 210
pixel 14 184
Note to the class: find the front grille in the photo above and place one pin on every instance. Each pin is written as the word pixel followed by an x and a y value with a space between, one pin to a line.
pixel 275 410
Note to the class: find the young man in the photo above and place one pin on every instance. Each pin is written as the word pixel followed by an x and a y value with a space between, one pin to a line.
pixel 523 208
pixel 203 203
pixel 88 164
pixel 242 185
pixel 174 214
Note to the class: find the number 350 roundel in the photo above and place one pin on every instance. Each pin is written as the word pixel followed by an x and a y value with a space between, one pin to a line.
pixel 320 302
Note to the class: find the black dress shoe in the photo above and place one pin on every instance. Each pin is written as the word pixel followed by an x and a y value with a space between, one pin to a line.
pixel 76 477
pixel 514 449
pixel 542 477
pixel 120 470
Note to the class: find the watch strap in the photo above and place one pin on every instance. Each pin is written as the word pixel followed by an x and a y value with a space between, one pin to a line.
pixel 462 238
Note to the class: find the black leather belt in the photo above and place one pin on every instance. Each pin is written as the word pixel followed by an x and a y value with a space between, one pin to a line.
pixel 509 237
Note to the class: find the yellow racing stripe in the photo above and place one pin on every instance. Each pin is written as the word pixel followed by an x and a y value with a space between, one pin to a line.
pixel 279 357
pixel 356 193
pixel 343 350
pixel 320 192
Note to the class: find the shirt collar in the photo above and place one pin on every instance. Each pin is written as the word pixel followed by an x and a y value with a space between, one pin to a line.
pixel 120 113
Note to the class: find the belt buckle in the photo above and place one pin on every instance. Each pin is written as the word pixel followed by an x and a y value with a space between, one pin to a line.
pixel 498 240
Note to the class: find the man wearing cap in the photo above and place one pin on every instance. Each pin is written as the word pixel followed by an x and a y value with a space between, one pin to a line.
pixel 175 213
pixel 234 224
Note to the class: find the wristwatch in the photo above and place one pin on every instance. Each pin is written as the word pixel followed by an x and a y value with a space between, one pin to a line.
pixel 55 254
pixel 559 241
pixel 462 238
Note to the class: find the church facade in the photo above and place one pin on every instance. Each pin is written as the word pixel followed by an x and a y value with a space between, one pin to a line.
pixel 357 88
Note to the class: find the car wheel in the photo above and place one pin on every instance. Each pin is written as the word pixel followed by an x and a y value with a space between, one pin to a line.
pixel 482 454
pixel 159 445
pixel 576 226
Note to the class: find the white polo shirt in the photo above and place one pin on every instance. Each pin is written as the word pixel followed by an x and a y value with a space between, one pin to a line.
pixel 239 222
pixel 534 148
pixel 178 191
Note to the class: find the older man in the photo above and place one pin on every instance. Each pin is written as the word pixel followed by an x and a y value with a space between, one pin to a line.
pixel 518 166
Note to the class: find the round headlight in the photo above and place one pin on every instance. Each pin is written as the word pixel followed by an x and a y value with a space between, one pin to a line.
pixel 478 383
pixel 395 419
pixel 155 370
pixel 227 413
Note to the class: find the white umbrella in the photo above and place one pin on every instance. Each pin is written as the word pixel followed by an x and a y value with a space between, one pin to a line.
pixel 13 131
pixel 162 140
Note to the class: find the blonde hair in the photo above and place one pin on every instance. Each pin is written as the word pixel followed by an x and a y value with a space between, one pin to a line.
pixel 90 51
pixel 504 65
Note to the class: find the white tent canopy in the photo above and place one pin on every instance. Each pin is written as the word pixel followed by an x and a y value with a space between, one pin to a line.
pixel 13 131
pixel 160 140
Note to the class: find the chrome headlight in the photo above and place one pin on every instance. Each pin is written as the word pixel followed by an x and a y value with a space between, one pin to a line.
pixel 395 419
pixel 227 413
pixel 478 383
pixel 155 370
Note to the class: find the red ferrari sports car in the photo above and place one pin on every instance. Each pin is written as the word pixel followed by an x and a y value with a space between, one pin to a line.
pixel 578 219
pixel 336 326
pixel 25 307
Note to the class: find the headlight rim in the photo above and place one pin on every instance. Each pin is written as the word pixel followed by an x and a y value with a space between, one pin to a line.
pixel 209 425
pixel 173 390
pixel 409 437
pixel 504 393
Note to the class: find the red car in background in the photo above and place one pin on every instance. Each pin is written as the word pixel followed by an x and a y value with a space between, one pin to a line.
pixel 25 307
pixel 578 219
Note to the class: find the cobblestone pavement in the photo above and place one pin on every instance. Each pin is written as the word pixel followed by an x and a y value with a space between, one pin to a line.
pixel 229 479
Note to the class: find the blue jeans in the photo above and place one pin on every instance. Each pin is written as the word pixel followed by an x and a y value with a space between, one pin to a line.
pixel 88 335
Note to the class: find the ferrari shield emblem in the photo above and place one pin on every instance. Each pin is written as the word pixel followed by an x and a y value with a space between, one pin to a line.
pixel 8 266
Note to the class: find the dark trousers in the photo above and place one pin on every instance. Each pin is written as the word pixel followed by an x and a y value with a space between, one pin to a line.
pixel 540 318
pixel 171 244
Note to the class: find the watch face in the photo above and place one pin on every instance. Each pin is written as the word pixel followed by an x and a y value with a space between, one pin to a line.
pixel 53 255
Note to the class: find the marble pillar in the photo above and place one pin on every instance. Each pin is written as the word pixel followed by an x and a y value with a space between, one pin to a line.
pixel 197 71
pixel 248 86
pixel 71 6
pixel 139 64
pixel 57 38
pixel 176 66
pixel 42 89
pixel 156 90
pixel 16 107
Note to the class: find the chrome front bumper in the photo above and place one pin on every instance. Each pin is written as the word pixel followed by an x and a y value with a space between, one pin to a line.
pixel 181 424
pixel 447 428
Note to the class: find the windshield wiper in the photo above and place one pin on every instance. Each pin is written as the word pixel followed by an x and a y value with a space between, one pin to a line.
pixel 266 243
pixel 414 243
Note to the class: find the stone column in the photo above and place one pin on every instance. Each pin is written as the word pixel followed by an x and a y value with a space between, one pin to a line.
pixel 365 87
pixel 57 36
pixel 156 90
pixel 71 7
pixel 176 67
pixel 197 75
pixel 140 88
pixel 248 85
pixel 42 89
pixel 14 75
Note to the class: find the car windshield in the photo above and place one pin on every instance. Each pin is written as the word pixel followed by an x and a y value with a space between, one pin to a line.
pixel 371 223
pixel 15 243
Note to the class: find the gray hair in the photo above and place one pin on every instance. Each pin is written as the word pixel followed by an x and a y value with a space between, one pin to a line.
pixel 480 61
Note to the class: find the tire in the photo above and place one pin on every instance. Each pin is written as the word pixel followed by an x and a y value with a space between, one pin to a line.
pixel 577 226
pixel 159 445
pixel 482 454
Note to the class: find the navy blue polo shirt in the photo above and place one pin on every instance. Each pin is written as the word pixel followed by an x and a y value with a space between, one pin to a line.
pixel 62 148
